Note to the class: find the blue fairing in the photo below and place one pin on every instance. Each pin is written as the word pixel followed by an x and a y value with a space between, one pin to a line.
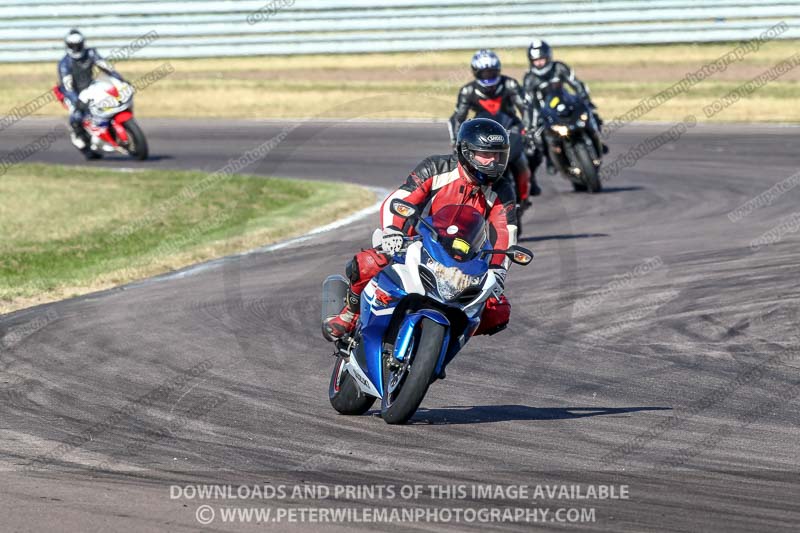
pixel 474 267
pixel 373 326
pixel 378 307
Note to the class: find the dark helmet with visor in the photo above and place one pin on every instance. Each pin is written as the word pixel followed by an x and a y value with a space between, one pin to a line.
pixel 75 43
pixel 540 56
pixel 482 147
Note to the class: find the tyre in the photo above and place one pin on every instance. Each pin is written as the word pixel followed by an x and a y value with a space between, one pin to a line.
pixel 588 170
pixel 344 394
pixel 91 155
pixel 579 187
pixel 137 144
pixel 404 389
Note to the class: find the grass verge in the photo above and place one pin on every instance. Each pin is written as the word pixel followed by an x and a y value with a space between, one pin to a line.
pixel 424 85
pixel 68 231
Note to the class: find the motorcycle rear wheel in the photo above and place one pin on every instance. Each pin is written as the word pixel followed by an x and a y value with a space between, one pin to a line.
pixel 344 394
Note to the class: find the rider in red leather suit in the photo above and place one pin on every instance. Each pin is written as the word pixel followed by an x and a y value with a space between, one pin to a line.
pixel 472 177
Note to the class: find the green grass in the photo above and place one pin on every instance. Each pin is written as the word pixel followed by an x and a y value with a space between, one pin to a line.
pixel 68 231
pixel 424 85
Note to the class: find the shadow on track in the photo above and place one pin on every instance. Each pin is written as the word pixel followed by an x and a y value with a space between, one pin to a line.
pixel 119 158
pixel 562 237
pixel 611 190
pixel 479 414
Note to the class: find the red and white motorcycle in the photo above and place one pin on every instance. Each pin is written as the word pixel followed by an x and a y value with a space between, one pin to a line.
pixel 109 123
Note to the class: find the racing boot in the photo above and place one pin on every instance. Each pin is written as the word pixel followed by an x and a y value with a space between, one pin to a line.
pixel 337 326
pixel 82 142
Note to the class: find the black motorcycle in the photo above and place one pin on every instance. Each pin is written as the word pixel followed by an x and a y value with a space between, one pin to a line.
pixel 570 136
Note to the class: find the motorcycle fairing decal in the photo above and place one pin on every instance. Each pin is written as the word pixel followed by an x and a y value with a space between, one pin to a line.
pixel 492 105
pixel 361 378
pixel 382 298
pixel 382 312
pixel 370 296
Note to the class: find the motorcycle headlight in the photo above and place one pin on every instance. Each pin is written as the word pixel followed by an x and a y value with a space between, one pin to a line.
pixel 450 280
pixel 560 129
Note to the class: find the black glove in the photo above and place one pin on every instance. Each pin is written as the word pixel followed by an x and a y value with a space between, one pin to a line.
pixel 529 138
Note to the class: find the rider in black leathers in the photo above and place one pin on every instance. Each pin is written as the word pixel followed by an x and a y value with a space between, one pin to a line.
pixel 544 69
pixel 75 73
pixel 491 94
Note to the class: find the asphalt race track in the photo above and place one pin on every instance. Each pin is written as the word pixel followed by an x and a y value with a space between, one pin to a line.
pixel 653 344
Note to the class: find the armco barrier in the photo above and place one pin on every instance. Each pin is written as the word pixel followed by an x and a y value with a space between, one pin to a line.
pixel 32 30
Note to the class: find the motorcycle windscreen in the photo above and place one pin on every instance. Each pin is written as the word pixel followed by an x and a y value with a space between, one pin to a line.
pixel 461 230
pixel 562 102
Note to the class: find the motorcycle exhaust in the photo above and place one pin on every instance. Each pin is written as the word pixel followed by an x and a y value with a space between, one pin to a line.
pixel 334 293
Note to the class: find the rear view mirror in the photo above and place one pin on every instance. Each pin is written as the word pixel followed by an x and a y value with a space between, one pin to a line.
pixel 402 209
pixel 520 255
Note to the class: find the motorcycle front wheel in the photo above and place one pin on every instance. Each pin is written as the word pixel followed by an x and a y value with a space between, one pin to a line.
pixel 589 171
pixel 137 144
pixel 405 386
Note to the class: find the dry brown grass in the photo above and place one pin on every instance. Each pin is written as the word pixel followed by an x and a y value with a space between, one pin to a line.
pixel 424 85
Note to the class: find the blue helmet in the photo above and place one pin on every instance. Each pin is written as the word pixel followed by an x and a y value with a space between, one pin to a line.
pixel 486 68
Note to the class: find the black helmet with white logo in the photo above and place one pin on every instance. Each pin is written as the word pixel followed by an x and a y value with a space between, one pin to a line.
pixel 75 43
pixel 540 56
pixel 482 147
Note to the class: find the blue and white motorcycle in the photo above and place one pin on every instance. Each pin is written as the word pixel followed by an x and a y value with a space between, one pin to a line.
pixel 416 314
